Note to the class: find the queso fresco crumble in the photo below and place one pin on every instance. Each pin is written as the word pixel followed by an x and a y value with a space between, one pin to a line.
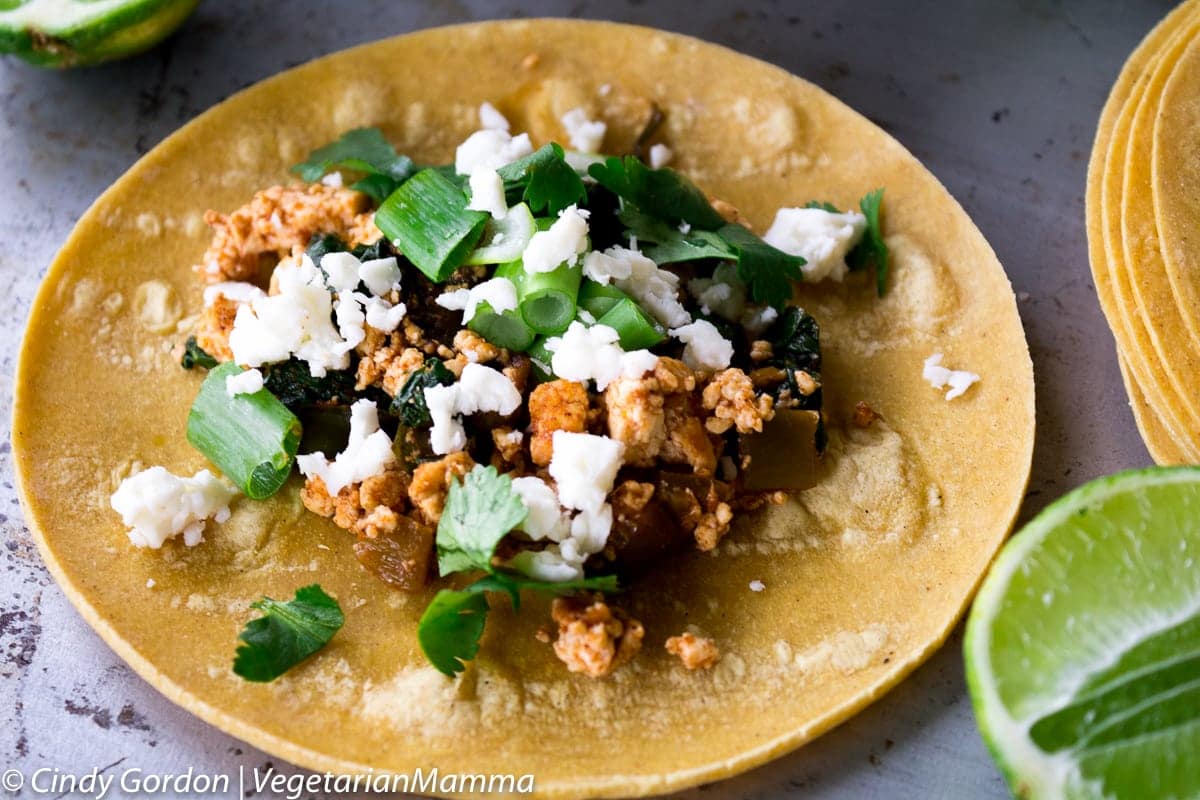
pixel 539 365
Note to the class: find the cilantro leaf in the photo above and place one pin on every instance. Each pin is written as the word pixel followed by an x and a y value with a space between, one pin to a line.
pixel 872 251
pixel 363 150
pixel 480 511
pixel 409 403
pixel 661 193
pixel 450 629
pixel 452 626
pixel 286 634
pixel 767 271
pixel 545 180
pixel 196 356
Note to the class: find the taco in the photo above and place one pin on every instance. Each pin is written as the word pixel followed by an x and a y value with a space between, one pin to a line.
pixel 541 317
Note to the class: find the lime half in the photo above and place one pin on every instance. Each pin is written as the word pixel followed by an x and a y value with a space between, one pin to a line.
pixel 68 33
pixel 1083 647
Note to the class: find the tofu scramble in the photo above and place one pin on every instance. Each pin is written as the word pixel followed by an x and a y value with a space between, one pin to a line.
pixel 542 366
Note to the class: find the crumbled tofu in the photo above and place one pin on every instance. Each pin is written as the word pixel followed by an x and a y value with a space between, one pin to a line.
pixel 731 398
pixel 490 148
pixel 656 290
pixel 660 156
pixel 696 652
pixel 431 483
pixel 939 377
pixel 822 238
pixel 499 293
pixel 582 354
pixel 479 388
pixel 157 505
pixel 592 637
pixel 563 243
pixel 487 193
pixel 560 405
pixel 585 135
pixel 247 381
pixel 294 322
pixel 584 467
pixel 705 348
pixel 368 452
pixel 636 409
pixel 490 118
pixel 370 508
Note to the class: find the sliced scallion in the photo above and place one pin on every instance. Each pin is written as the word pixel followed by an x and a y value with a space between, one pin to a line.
pixel 504 240
pixel 428 220
pixel 507 330
pixel 597 298
pixel 546 299
pixel 634 326
pixel 252 438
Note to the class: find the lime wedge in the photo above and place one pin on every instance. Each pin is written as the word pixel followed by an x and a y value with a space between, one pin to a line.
pixel 68 33
pixel 1083 647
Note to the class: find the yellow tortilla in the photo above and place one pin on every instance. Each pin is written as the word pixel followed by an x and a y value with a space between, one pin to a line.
pixel 1176 186
pixel 865 575
pixel 1142 75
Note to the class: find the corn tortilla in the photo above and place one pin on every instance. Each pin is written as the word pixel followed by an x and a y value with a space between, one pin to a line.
pixel 865 575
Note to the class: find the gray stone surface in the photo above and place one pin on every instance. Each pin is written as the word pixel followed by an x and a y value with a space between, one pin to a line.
pixel 1000 99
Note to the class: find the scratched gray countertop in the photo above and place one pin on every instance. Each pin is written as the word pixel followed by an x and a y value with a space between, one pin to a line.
pixel 999 99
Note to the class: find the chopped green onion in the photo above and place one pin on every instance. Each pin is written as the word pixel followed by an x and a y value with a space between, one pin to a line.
pixel 252 438
pixel 507 330
pixel 541 358
pixel 598 299
pixel 504 240
pixel 633 325
pixel 546 299
pixel 428 220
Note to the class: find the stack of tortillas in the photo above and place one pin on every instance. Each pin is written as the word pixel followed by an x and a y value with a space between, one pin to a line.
pixel 1143 216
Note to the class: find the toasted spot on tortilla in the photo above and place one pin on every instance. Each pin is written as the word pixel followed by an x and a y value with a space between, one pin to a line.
pixel 157 306
pixel 149 224
pixel 846 652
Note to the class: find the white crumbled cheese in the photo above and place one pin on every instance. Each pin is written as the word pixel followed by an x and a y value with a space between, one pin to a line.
pixel 368 451
pixel 490 149
pixel 656 290
pixel 608 266
pixel 757 319
pixel 585 353
pixel 585 135
pixel 585 316
pixel 546 565
pixel 722 294
pixel 660 156
pixel 479 389
pixel 351 319
pixel 513 437
pixel 487 193
pixel 499 293
pixel 381 275
pixel 237 291
pixel 706 349
pixel 157 505
pixel 584 467
pixel 333 180
pixel 490 117
pixel 939 377
pixel 247 381
pixel 757 586
pixel 341 271
pixel 546 518
pixel 296 321
pixel 685 228
pixel 562 243
pixel 589 530
pixel 384 316
pixel 822 238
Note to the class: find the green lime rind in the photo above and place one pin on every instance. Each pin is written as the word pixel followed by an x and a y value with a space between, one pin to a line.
pixel 1083 646
pixel 67 33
